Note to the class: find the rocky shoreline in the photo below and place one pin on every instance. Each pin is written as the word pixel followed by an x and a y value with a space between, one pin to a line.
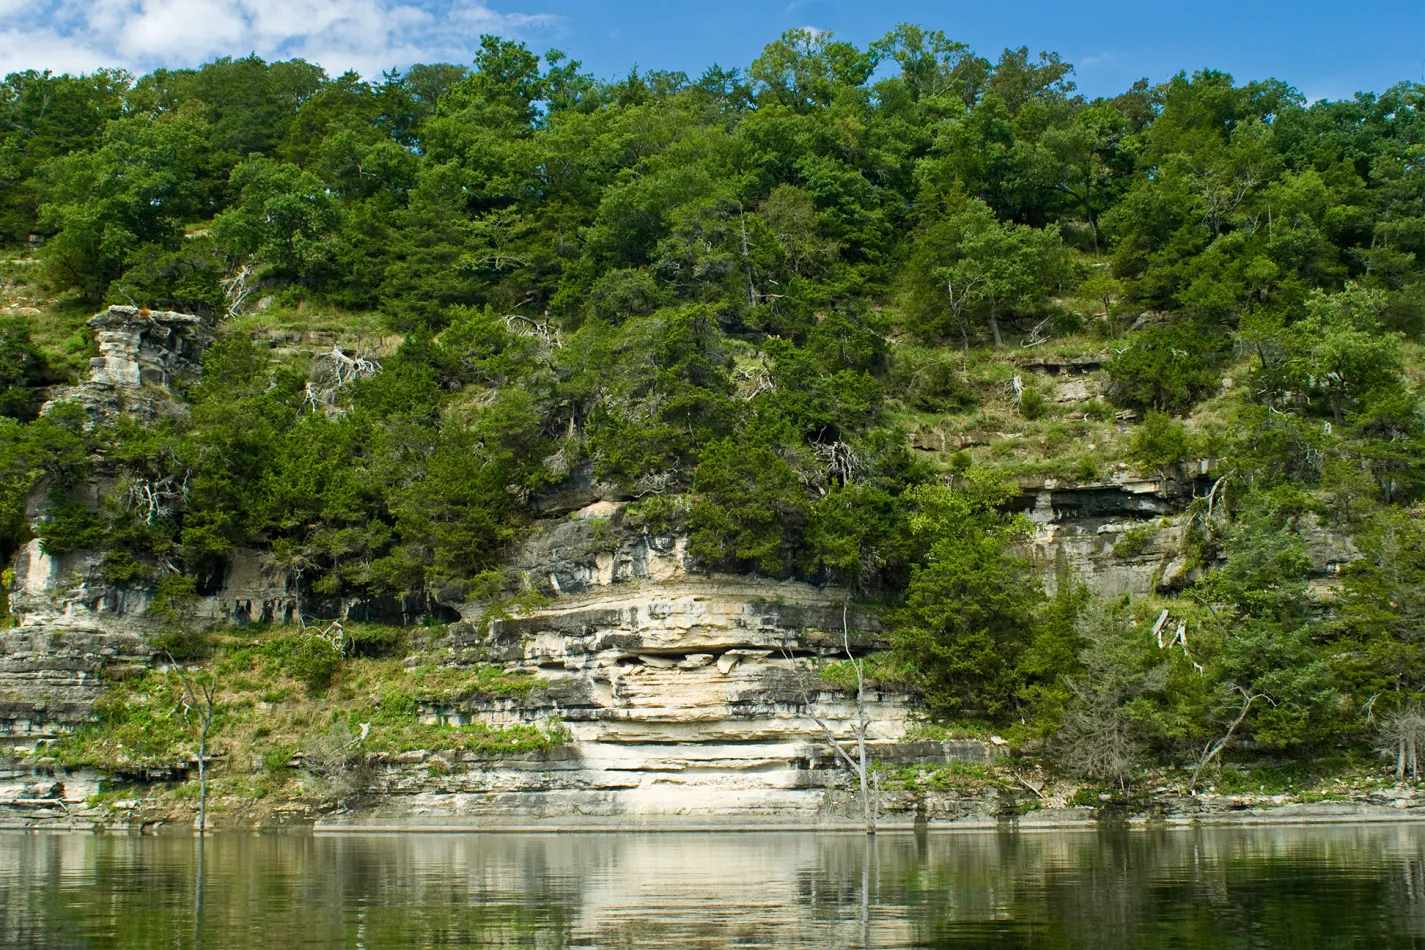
pixel 408 798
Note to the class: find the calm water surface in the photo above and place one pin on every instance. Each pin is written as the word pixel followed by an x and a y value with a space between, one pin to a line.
pixel 1286 887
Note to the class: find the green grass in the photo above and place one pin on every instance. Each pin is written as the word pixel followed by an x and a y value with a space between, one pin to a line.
pixel 967 777
pixel 266 714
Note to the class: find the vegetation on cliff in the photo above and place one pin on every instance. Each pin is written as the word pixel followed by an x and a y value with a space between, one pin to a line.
pixel 737 299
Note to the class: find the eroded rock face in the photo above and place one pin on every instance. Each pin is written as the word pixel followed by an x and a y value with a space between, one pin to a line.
pixel 683 693
pixel 1080 531
pixel 73 626
pixel 142 353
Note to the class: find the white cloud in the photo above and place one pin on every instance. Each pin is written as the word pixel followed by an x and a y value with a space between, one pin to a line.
pixel 365 35
pixel 1096 59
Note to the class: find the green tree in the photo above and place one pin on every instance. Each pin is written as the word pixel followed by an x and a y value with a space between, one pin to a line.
pixel 749 506
pixel 969 602
pixel 137 188
pixel 972 270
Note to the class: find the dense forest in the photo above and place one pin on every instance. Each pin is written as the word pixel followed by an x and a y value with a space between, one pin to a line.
pixel 735 297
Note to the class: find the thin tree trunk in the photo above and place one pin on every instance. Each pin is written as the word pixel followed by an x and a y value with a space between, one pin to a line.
pixel 863 722
pixel 1211 752
pixel 866 859
pixel 203 775
pixel 860 766
pixel 198 900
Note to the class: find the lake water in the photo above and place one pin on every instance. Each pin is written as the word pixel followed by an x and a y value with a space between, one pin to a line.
pixel 1361 886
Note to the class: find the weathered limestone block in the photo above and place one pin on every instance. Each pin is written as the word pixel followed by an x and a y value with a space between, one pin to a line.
pixel 141 354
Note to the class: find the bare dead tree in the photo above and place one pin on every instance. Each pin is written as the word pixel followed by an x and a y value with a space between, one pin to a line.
pixel 199 692
pixel 158 499
pixel 839 459
pixel 1097 738
pixel 1404 734
pixel 1036 335
pixel 962 300
pixel 754 381
pixel 654 483
pixel 860 766
pixel 235 291
pixel 331 373
pixel 336 760
pixel 1211 749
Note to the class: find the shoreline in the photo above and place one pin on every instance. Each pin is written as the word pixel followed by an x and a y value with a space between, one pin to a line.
pixel 1321 814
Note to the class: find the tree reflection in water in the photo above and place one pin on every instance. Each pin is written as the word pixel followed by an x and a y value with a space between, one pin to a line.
pixel 1228 888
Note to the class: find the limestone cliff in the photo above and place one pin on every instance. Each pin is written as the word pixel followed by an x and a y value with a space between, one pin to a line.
pixel 682 692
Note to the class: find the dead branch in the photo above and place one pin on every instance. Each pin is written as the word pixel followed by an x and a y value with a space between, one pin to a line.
pixel 654 483
pixel 158 499
pixel 1405 734
pixel 1211 749
pixel 199 694
pixel 1036 336
pixel 235 291
pixel 860 766
pixel 839 459
pixel 754 382
pixel 331 373
pixel 1158 627
pixel 333 634
pixel 541 330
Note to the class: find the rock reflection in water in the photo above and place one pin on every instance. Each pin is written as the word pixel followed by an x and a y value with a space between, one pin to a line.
pixel 1289 887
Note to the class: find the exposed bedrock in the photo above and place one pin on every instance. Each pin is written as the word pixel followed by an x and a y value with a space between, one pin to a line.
pixel 683 692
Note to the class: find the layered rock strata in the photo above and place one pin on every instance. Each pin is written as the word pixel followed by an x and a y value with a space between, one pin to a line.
pixel 142 354
pixel 682 693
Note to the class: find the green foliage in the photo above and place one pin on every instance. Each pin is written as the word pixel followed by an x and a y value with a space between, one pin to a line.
pixel 141 722
pixel 1033 404
pixel 23 366
pixel 703 293
pixel 1160 442
pixel 70 526
pixel 1134 541
pixel 928 382
pixel 972 270
pixel 1165 369
pixel 968 604
pixel 174 597
pixel 750 507
pixel 314 661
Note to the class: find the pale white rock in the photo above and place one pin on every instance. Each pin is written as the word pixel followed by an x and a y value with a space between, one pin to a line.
pixel 599 509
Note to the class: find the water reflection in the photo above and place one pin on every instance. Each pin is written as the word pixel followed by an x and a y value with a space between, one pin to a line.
pixel 1247 888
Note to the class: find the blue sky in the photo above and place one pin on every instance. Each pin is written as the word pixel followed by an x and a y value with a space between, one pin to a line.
pixel 1327 50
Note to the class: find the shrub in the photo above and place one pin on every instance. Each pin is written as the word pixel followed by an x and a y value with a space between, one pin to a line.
pixel 119 566
pixel 928 383
pixel 70 526
pixel 1166 368
pixel 314 662
pixel 23 366
pixel 1033 404
pixel 750 506
pixel 275 758
pixel 1086 469
pixel 1134 541
pixel 1159 442
pixel 182 643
